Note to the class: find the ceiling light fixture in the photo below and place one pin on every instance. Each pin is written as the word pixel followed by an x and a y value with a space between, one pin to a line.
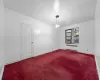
pixel 56 6
pixel 57 21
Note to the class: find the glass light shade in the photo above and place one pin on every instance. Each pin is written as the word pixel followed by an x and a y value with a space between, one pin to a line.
pixel 57 25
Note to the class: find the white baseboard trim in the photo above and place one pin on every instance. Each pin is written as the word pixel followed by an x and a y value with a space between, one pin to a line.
pixel 1 72
pixel 97 59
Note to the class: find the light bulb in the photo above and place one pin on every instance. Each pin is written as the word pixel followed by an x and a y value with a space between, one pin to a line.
pixel 57 26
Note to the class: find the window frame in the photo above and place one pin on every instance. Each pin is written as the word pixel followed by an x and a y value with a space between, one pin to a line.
pixel 72 37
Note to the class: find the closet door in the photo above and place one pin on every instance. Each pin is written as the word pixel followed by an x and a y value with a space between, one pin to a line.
pixel 26 41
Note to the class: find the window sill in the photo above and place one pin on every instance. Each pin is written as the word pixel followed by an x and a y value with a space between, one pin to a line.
pixel 73 45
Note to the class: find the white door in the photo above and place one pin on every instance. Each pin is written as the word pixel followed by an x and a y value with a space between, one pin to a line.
pixel 26 41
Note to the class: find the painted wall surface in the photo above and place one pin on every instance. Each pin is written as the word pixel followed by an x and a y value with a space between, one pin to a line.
pixel 86 37
pixel 1 37
pixel 97 34
pixel 44 36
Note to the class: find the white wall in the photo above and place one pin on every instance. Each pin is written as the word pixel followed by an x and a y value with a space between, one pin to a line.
pixel 43 42
pixel 1 37
pixel 97 34
pixel 86 37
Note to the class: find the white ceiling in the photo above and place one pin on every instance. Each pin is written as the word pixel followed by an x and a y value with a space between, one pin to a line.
pixel 71 11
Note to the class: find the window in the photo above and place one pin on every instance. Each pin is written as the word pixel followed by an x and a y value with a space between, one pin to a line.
pixel 72 36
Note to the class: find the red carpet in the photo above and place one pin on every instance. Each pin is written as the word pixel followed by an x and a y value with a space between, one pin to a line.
pixel 56 65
